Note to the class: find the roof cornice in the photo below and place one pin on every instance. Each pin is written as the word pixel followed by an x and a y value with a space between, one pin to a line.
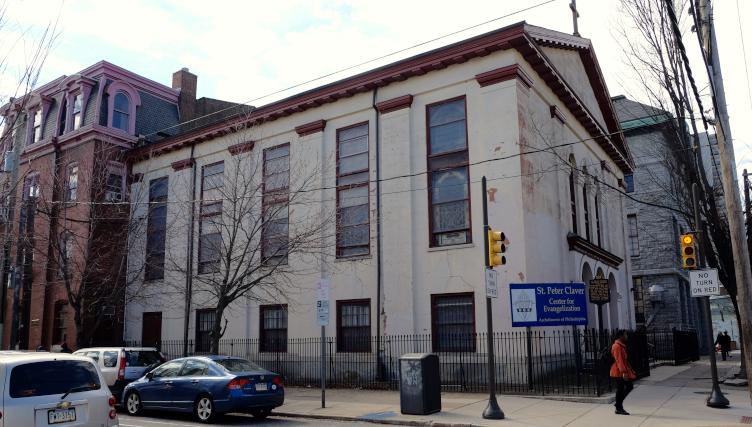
pixel 513 36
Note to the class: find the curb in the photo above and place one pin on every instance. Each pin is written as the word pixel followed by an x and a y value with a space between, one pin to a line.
pixel 372 420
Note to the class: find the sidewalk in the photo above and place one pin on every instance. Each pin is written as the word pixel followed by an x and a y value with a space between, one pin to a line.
pixel 671 396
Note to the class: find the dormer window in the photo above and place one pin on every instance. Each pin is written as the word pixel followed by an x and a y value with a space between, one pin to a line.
pixel 121 112
pixel 37 126
pixel 76 111
pixel 123 99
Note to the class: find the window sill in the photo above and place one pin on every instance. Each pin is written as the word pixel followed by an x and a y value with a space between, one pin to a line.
pixel 353 258
pixel 448 248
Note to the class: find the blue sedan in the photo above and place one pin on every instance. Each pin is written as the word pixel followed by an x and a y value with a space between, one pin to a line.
pixel 207 386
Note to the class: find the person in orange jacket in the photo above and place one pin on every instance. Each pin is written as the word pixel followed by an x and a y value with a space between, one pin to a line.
pixel 621 371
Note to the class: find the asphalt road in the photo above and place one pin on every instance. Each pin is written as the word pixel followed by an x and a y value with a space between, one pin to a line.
pixel 185 420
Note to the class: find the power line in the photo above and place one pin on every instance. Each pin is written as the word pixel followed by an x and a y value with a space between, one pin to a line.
pixel 342 70
pixel 744 52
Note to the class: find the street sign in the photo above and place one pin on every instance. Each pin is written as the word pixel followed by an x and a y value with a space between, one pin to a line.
pixel 704 283
pixel 322 312
pixel 322 302
pixel 598 291
pixel 548 304
pixel 492 283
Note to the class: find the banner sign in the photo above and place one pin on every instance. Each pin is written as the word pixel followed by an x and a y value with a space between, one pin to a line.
pixel 548 304
pixel 598 291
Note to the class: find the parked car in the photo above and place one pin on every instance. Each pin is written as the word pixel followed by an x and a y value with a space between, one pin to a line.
pixel 43 389
pixel 208 386
pixel 122 365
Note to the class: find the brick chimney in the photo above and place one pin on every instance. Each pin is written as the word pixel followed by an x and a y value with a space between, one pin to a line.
pixel 186 82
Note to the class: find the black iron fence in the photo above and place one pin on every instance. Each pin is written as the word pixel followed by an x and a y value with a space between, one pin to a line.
pixel 674 346
pixel 541 362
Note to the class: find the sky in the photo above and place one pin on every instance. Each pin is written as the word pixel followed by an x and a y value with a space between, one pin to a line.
pixel 244 51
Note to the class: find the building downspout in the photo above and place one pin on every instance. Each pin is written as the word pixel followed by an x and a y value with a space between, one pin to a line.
pixel 189 255
pixel 379 264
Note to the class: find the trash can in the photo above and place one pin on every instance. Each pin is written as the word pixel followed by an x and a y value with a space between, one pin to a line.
pixel 420 384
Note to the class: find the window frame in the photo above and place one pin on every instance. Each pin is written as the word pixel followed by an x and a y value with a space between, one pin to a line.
pixel 629 183
pixel 342 345
pixel 465 163
pixel 281 346
pixel 276 197
pixel 586 210
pixel 126 113
pixel 200 339
pixel 638 300
pixel 35 128
pixel 151 272
pixel 344 187
pixel 115 169
pixel 596 202
pixel 71 192
pixel 633 239
pixel 59 320
pixel 214 265
pixel 435 343
pixel 76 114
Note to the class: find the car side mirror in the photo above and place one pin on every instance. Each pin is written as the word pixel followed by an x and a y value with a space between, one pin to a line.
pixel 149 376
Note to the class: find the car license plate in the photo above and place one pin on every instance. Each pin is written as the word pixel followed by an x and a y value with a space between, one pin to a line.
pixel 261 387
pixel 57 416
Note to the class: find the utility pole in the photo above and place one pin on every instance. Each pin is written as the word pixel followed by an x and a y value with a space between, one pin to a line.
pixel 704 20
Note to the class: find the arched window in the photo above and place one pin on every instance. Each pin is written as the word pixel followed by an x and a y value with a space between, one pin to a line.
pixel 572 195
pixel 586 210
pixel 121 112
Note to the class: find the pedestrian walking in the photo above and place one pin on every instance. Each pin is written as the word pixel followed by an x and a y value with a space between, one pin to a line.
pixel 726 345
pixel 719 343
pixel 621 371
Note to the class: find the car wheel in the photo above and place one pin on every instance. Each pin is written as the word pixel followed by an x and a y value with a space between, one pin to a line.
pixel 261 413
pixel 133 404
pixel 204 409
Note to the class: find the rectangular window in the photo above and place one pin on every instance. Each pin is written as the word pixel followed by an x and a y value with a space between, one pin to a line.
pixel 273 328
pixel 448 174
pixel 634 241
pixel 354 326
pixel 156 229
pixel 453 322
pixel 204 326
pixel 210 218
pixel 66 250
pixel 31 186
pixel 573 201
pixel 37 126
pixel 275 227
pixel 72 191
pixel 639 301
pixel 114 189
pixel 60 319
pixel 76 111
pixel 629 183
pixel 353 217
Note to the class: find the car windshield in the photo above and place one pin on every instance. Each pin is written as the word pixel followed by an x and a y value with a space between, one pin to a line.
pixel 141 358
pixel 238 365
pixel 52 377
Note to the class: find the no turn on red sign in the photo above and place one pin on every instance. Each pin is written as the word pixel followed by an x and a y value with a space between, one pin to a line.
pixel 704 283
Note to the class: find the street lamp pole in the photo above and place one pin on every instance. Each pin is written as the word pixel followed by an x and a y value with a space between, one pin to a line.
pixel 492 411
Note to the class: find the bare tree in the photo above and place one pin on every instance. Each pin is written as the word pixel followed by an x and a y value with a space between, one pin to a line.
pixel 84 231
pixel 653 52
pixel 259 223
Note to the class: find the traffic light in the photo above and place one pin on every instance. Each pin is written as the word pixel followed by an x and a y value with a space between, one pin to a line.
pixel 496 248
pixel 688 252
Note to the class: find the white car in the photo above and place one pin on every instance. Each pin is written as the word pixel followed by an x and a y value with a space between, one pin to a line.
pixel 53 389
pixel 122 365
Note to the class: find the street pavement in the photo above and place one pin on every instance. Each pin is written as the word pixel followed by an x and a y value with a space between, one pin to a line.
pixel 671 396
pixel 185 420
